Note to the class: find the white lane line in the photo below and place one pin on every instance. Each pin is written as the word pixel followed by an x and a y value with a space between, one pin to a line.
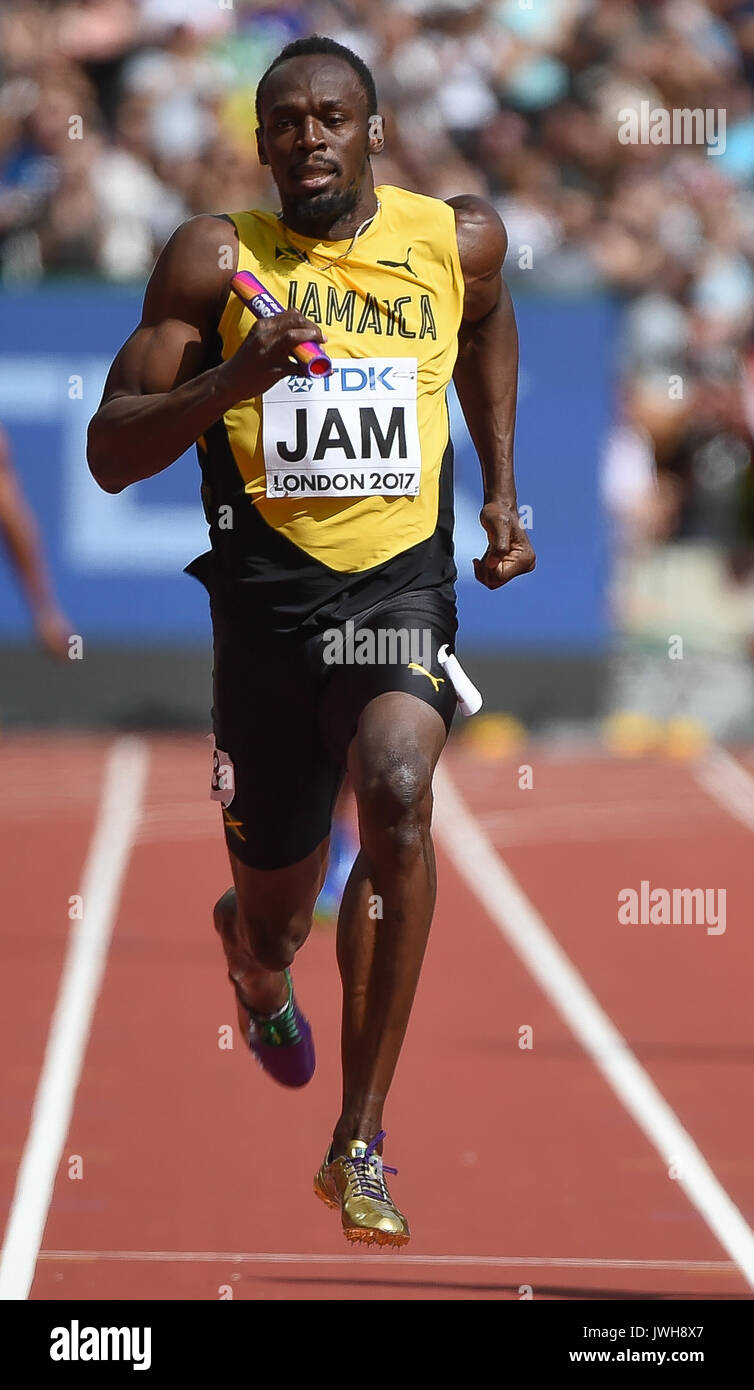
pixel 728 783
pixel 395 1258
pixel 115 826
pixel 526 933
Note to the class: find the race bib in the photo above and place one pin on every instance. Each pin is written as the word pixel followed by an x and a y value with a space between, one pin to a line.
pixel 352 434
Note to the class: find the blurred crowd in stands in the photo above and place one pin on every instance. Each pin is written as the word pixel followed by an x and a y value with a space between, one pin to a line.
pixel 517 100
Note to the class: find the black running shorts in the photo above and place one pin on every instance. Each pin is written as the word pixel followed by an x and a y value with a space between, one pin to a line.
pixel 287 705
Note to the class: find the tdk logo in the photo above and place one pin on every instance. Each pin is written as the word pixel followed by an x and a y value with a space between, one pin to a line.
pixel 359 379
pixel 380 378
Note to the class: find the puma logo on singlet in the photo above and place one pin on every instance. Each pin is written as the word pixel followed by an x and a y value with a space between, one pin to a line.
pixel 437 681
pixel 401 265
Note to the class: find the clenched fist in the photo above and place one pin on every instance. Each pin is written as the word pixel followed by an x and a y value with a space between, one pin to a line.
pixel 509 551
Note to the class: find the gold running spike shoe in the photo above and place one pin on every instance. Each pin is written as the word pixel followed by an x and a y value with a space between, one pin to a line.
pixel 356 1184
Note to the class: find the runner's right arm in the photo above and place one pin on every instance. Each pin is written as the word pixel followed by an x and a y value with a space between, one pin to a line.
pixel 158 396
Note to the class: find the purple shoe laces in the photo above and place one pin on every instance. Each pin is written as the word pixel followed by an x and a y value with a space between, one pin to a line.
pixel 370 1185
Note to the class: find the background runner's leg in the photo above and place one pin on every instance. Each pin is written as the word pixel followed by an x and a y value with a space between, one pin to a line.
pixel 387 907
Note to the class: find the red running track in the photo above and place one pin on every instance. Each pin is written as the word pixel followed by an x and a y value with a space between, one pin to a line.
pixel 520 1169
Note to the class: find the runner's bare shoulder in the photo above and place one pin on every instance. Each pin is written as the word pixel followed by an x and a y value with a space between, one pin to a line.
pixel 191 280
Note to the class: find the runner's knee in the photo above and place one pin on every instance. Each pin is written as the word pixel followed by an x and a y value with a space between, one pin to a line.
pixel 275 937
pixel 395 797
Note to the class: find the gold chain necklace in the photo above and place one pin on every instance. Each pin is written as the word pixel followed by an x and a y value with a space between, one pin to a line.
pixel 304 256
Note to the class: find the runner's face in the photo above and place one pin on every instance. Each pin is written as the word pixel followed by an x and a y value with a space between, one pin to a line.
pixel 314 137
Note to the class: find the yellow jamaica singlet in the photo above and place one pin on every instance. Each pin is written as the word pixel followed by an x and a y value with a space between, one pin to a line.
pixel 325 496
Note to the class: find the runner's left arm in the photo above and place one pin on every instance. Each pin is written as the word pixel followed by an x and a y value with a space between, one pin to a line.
pixel 486 379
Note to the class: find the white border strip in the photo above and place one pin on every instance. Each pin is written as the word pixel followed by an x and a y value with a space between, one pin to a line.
pixel 728 783
pixel 526 933
pixel 115 827
pixel 369 1258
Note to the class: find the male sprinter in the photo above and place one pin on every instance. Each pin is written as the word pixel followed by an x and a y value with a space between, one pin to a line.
pixel 327 501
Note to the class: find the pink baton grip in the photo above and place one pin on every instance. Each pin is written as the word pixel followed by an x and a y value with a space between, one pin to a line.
pixel 264 305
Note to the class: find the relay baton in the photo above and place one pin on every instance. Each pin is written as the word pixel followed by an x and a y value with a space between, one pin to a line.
pixel 469 697
pixel 264 305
